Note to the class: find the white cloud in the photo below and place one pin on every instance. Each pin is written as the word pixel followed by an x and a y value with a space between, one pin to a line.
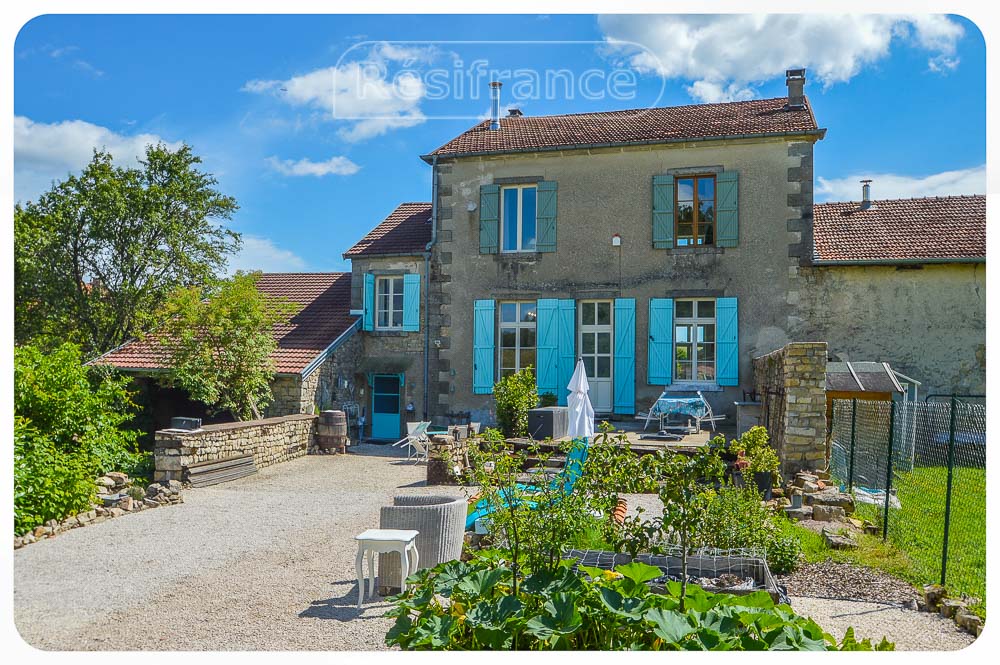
pixel 722 54
pixel 259 253
pixel 893 186
pixel 44 152
pixel 361 93
pixel 307 167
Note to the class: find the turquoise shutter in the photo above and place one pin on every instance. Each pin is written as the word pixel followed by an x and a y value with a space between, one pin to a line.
pixel 663 211
pixel 545 218
pixel 727 226
pixel 368 303
pixel 567 347
pixel 727 370
pixel 411 303
pixel 547 346
pixel 661 342
pixel 624 356
pixel 489 219
pixel 482 347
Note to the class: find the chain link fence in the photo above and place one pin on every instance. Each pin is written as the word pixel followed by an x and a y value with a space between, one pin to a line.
pixel 918 471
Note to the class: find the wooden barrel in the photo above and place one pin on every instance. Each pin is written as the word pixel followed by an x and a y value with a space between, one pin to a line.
pixel 332 433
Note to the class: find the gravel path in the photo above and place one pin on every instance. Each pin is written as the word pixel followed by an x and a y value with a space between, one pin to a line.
pixel 847 581
pixel 909 629
pixel 265 562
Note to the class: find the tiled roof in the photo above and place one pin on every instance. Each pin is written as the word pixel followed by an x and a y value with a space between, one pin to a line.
pixel 941 228
pixel 406 230
pixel 325 315
pixel 653 125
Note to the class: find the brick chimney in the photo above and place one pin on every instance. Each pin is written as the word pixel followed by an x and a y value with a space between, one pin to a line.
pixel 795 79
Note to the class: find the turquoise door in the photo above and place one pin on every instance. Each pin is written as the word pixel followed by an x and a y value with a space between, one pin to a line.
pixel 385 406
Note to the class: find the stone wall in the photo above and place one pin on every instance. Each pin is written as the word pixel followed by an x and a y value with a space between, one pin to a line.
pixel 318 390
pixel 270 441
pixel 791 383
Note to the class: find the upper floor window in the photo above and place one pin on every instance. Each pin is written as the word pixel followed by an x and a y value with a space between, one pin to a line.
pixel 517 218
pixel 389 303
pixel 695 206
pixel 694 340
pixel 517 336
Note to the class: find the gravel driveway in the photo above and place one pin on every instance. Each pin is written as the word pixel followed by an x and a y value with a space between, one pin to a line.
pixel 265 562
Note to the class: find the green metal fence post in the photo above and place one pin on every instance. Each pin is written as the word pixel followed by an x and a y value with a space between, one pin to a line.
pixel 850 466
pixel 947 496
pixel 888 471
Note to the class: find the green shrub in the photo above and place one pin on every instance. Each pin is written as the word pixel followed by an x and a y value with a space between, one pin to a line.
pixel 514 394
pixel 48 482
pixel 477 605
pixel 78 408
pixel 755 446
pixel 736 518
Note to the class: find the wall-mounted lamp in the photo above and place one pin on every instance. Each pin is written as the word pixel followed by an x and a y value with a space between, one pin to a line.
pixel 437 344
pixel 616 240
pixel 470 206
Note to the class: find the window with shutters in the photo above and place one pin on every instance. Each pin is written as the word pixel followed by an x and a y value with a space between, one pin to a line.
pixel 694 340
pixel 517 336
pixel 389 303
pixel 518 208
pixel 695 210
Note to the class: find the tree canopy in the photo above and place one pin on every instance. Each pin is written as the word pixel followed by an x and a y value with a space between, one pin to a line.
pixel 98 254
pixel 218 343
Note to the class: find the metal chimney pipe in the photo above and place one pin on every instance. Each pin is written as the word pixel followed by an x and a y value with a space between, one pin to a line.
pixel 495 104
pixel 795 79
pixel 866 194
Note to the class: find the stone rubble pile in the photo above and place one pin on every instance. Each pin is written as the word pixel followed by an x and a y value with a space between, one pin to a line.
pixel 935 599
pixel 813 499
pixel 116 496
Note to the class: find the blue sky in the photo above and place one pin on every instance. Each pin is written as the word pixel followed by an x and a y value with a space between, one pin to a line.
pixel 316 123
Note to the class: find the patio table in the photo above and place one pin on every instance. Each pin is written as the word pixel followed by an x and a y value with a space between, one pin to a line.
pixel 682 405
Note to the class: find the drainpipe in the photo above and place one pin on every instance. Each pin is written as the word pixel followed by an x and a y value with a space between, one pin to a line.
pixel 427 282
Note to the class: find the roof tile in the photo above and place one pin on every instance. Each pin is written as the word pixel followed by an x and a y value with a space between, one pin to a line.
pixel 933 228
pixel 325 315
pixel 651 125
pixel 406 230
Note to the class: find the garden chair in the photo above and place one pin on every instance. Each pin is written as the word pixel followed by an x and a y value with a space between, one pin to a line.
pixel 415 440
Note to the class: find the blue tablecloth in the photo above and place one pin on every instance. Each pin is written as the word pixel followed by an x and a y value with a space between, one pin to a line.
pixel 682 406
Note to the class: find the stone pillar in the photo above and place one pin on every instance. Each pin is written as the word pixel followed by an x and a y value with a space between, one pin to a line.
pixel 446 459
pixel 805 407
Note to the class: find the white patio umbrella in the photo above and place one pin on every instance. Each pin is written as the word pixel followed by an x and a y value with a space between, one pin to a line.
pixel 581 411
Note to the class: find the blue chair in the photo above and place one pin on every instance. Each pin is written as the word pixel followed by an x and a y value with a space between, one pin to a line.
pixel 561 484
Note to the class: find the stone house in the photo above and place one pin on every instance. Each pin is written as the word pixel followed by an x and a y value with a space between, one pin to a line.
pixel 315 359
pixel 667 247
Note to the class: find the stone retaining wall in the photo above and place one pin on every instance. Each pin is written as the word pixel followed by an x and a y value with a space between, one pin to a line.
pixel 791 383
pixel 270 441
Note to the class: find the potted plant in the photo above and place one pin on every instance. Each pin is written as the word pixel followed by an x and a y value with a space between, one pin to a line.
pixel 758 457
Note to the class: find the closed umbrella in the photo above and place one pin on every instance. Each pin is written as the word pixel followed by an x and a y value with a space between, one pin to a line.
pixel 581 412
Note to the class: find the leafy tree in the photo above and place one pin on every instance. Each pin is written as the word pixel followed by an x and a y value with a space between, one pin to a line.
pixel 99 252
pixel 82 410
pixel 217 343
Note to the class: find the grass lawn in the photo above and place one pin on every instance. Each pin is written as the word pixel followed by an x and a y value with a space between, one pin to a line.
pixel 916 530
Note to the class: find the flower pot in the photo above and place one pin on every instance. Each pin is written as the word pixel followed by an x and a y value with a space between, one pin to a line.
pixel 763 481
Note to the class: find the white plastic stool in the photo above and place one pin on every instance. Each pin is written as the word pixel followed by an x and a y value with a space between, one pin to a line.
pixel 383 541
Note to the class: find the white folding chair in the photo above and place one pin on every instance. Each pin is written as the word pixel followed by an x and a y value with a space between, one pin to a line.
pixel 415 439
pixel 710 417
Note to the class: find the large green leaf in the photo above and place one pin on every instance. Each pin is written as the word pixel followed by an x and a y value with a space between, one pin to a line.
pixel 561 618
pixel 626 606
pixel 671 627
pixel 492 614
pixel 481 582
pixel 639 572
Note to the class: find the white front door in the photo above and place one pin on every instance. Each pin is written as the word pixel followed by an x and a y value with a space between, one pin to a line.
pixel 596 348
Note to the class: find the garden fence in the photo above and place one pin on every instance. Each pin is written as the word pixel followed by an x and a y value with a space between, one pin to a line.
pixel 918 471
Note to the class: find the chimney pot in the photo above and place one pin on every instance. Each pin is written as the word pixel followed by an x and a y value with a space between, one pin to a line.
pixel 866 194
pixel 795 79
pixel 495 104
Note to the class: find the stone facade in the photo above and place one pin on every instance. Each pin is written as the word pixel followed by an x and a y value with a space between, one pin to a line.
pixel 392 351
pixel 270 441
pixel 318 390
pixel 607 191
pixel 791 383
pixel 928 322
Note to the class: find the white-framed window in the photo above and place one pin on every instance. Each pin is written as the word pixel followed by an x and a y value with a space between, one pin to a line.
pixel 518 208
pixel 517 336
pixel 694 340
pixel 389 303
